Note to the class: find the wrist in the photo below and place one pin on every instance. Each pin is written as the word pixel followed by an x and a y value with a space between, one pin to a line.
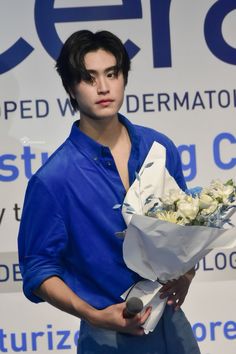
pixel 91 315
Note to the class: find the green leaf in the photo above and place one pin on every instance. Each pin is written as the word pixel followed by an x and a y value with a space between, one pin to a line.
pixel 149 164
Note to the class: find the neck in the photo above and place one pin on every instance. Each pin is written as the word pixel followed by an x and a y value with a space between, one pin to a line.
pixel 104 131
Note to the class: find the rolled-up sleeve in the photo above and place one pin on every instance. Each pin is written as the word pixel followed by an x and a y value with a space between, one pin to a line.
pixel 42 238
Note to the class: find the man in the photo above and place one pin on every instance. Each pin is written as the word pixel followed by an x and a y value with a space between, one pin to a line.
pixel 69 254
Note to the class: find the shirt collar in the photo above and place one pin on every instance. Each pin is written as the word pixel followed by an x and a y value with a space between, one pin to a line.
pixel 93 149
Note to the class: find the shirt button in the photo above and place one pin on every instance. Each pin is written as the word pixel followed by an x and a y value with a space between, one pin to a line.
pixel 109 163
pixel 95 158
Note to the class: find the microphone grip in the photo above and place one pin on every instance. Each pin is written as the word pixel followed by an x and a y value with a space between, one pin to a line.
pixel 134 305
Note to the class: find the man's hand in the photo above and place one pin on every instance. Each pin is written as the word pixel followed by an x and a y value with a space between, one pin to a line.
pixel 112 317
pixel 57 293
pixel 176 290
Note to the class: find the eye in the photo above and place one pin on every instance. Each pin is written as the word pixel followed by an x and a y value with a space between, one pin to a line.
pixel 111 74
pixel 91 80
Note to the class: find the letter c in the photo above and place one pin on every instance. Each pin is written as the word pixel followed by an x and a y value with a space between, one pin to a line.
pixel 213 31
pixel 216 149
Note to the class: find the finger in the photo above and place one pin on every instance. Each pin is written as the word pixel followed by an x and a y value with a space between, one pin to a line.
pixel 138 331
pixel 176 300
pixel 173 299
pixel 167 286
pixel 145 316
pixel 140 319
pixel 180 302
pixel 170 292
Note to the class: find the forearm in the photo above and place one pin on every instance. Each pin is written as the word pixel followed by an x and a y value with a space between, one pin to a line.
pixel 54 291
pixel 57 293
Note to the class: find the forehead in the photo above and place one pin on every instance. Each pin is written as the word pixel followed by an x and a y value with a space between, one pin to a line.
pixel 99 60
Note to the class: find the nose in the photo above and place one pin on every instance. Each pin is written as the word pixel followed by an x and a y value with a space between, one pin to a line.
pixel 102 85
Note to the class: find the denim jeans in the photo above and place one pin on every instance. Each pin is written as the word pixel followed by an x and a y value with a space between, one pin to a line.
pixel 173 335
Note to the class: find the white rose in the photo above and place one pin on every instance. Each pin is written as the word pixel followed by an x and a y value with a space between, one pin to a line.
pixel 221 191
pixel 205 201
pixel 211 209
pixel 188 208
pixel 173 196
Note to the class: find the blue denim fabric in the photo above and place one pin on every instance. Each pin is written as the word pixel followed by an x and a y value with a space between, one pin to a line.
pixel 173 335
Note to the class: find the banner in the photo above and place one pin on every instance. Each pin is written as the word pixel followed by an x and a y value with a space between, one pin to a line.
pixel 182 83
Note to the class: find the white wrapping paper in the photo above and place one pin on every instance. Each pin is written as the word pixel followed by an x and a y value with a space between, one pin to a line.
pixel 159 250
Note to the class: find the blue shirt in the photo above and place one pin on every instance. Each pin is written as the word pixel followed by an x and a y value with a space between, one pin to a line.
pixel 68 222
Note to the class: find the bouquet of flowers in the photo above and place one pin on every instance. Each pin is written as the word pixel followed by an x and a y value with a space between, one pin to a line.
pixel 169 231
pixel 211 206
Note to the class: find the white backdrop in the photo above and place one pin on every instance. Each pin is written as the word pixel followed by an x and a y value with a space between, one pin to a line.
pixel 182 83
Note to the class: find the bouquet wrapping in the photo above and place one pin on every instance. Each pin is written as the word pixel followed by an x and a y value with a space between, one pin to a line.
pixel 159 250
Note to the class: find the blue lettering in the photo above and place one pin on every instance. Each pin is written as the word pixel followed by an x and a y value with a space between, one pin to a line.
pixel 42 108
pixel 216 149
pixel 221 95
pixel 61 344
pixel 27 157
pixel 205 265
pixel 210 93
pixel 163 99
pixel 4 273
pixel 146 102
pixel 14 55
pixel 13 169
pixel 46 16
pixel 2 337
pixel 2 214
pixel 24 108
pixel 19 348
pixel 190 165
pixel 181 103
pixel 232 260
pixel 76 337
pixel 213 31
pixel 220 261
pixel 13 172
pixel 230 326
pixel 202 335
pixel 9 107
pixel 50 339
pixel 135 106
pixel 16 272
pixel 213 325
pixel 44 157
pixel 65 106
pixel 34 336
pixel 160 19
pixel 198 101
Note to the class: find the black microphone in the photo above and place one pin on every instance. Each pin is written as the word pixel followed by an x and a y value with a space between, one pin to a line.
pixel 134 305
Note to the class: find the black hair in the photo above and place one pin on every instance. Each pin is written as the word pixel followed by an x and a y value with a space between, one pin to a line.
pixel 70 63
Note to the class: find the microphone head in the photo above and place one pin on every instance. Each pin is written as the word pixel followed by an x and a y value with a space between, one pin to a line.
pixel 134 305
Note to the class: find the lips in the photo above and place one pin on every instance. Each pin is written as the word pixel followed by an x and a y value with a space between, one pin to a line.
pixel 105 101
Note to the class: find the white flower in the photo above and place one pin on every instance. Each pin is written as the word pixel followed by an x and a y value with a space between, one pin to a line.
pixel 188 207
pixel 205 201
pixel 170 216
pixel 173 196
pixel 207 208
pixel 211 208
pixel 220 191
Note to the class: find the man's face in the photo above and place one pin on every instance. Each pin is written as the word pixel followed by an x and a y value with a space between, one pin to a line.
pixel 103 96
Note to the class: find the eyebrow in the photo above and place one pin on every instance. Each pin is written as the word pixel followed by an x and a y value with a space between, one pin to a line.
pixel 92 71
